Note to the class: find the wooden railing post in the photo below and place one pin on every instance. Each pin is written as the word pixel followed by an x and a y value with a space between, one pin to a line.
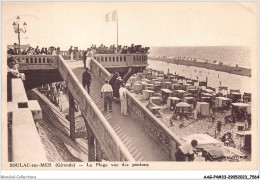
pixel 71 115
pixel 98 151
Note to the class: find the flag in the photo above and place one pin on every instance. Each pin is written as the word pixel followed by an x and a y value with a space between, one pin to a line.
pixel 112 16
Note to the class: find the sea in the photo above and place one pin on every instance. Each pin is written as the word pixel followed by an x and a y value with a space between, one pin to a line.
pixel 228 55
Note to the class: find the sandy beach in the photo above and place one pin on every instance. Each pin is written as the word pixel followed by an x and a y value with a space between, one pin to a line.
pixel 215 78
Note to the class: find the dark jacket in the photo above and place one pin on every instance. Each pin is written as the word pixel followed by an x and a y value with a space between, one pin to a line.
pixel 86 78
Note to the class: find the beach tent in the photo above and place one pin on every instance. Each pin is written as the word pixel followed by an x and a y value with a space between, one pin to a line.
pixel 203 108
pixel 172 101
pixel 190 100
pixel 222 153
pixel 204 140
pixel 183 108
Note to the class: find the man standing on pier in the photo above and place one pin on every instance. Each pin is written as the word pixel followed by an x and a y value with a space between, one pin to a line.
pixel 86 80
pixel 123 99
pixel 71 53
pixel 107 92
pixel 186 150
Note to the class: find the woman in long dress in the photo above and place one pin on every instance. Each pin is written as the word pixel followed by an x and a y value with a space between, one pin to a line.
pixel 89 56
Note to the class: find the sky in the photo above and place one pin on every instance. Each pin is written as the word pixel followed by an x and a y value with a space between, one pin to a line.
pixel 81 24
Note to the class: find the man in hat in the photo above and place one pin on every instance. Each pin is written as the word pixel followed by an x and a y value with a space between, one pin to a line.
pixel 186 150
pixel 12 72
pixel 116 88
pixel 107 92
pixel 86 80
pixel 12 69
pixel 11 51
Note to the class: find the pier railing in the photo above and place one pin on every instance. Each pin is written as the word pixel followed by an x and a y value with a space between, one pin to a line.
pixel 104 133
pixel 121 60
pixel 152 125
pixel 35 62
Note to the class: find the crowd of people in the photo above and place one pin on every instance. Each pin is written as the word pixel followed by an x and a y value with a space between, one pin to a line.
pixel 112 49
pixel 15 50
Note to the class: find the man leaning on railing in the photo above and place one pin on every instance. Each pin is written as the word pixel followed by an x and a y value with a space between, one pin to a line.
pixel 12 72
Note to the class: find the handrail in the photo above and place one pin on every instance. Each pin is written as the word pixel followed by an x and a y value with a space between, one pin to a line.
pixel 156 129
pixel 21 120
pixel 104 133
pixel 159 131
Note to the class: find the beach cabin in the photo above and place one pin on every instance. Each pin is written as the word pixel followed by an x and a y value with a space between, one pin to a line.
pixel 203 83
pixel 175 81
pixel 137 88
pixel 155 100
pixel 235 95
pixel 223 90
pixel 190 82
pixel 147 94
pixel 207 100
pixel 167 85
pixel 245 139
pixel 179 93
pixel 222 103
pixel 176 86
pixel 165 94
pixel 192 91
pixel 239 112
pixel 187 87
pixel 246 97
pixel 150 87
pixel 154 73
pixel 143 84
pixel 172 101
pixel 203 108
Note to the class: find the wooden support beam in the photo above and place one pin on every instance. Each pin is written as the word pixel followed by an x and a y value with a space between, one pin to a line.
pixel 91 144
pixel 98 152
pixel 71 115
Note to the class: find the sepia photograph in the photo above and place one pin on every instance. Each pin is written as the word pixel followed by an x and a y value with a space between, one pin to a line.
pixel 129 86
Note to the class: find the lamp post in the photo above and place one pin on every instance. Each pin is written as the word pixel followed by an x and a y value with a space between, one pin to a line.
pixel 18 29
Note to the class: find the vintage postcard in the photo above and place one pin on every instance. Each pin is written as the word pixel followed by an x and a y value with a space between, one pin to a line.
pixel 130 86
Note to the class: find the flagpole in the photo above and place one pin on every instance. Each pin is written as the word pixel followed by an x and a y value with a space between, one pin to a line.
pixel 116 29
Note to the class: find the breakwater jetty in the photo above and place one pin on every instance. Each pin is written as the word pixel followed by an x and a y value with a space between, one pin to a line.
pixel 214 65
